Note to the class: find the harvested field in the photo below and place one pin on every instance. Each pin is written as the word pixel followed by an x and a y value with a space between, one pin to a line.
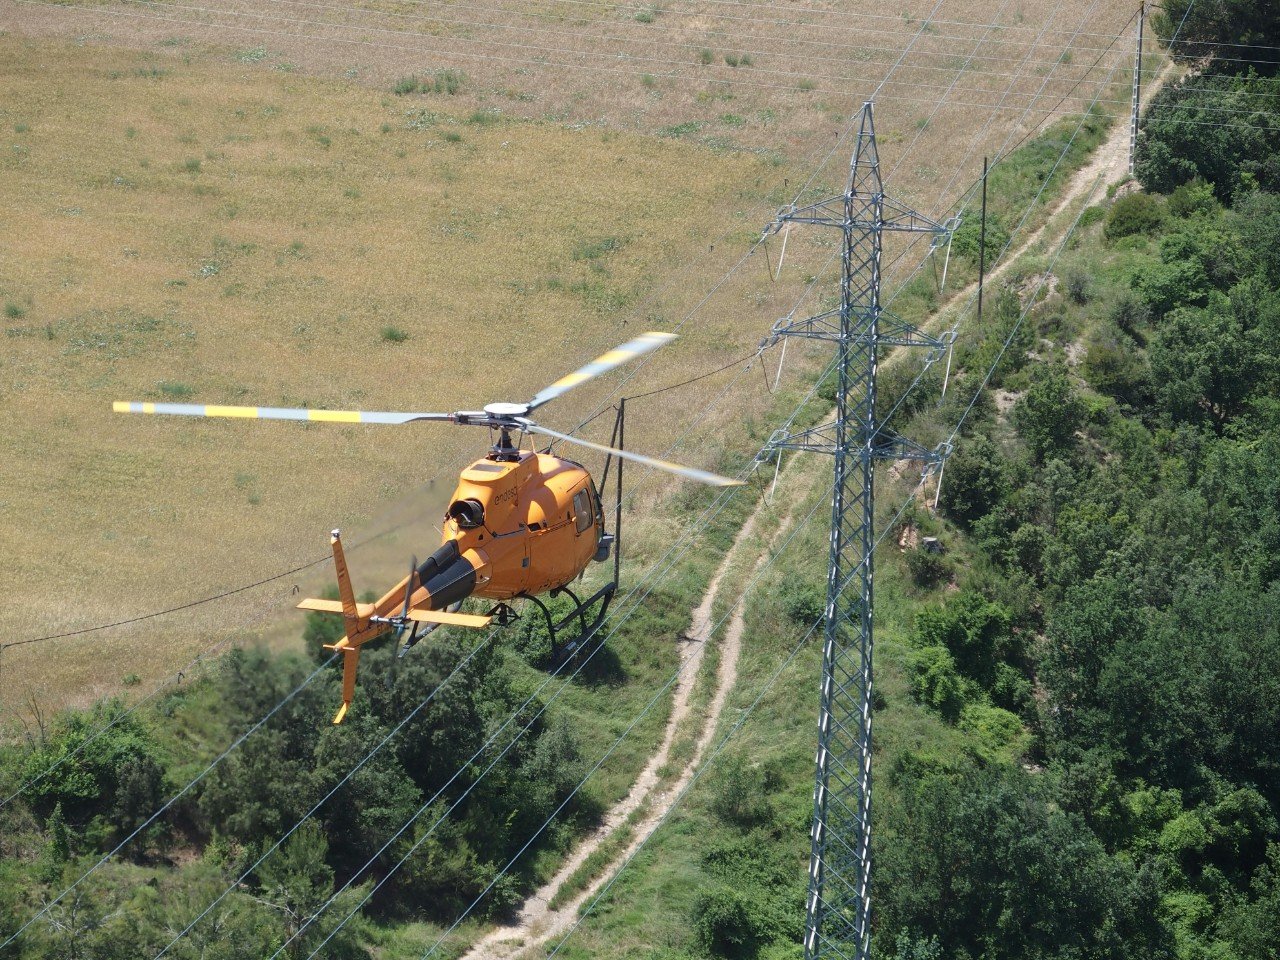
pixel 197 210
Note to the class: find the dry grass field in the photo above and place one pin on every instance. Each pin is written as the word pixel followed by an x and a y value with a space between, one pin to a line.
pixel 224 206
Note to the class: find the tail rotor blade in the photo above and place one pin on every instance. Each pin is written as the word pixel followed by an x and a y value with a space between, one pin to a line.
pixel 692 473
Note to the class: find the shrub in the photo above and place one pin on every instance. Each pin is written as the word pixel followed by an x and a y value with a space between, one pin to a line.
pixel 1079 286
pixel 1130 314
pixel 406 86
pixel 935 682
pixel 393 335
pixel 927 569
pixel 706 57
pixel 1116 369
pixel 175 390
pixel 452 136
pixel 448 82
pixel 740 793
pixel 974 482
pixel 13 311
pixel 968 237
pixel 723 922
pixel 1193 199
pixel 1134 213
pixel 803 600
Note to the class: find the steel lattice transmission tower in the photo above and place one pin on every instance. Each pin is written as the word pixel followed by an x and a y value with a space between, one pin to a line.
pixel 839 904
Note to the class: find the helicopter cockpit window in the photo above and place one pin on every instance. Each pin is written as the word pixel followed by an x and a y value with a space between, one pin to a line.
pixel 582 510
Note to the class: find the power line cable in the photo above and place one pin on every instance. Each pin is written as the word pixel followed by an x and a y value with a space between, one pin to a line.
pixel 745 715
pixel 709 514
pixel 674 679
pixel 584 913
pixel 649 42
pixel 328 796
pixel 171 801
pixel 805 84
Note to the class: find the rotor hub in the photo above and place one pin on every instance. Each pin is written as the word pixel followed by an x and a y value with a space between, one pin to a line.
pixel 506 409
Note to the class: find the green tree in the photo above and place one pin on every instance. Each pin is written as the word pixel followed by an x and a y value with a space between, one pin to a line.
pixel 976 481
pixel 297 881
pixel 1203 365
pixel 1049 413
pixel 1252 924
pixel 1134 213
pixel 987 862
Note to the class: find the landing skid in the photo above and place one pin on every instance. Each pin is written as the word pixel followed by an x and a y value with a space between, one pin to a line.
pixel 583 631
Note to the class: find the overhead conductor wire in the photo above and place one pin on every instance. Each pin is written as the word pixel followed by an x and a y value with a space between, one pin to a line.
pixel 669 559
pixel 587 910
pixel 120 716
pixel 362 762
pixel 889 527
pixel 215 762
pixel 171 801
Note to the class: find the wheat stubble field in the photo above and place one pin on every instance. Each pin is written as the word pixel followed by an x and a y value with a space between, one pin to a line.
pixel 234 205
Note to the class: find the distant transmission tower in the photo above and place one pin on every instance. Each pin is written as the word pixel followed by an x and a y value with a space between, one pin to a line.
pixel 838 909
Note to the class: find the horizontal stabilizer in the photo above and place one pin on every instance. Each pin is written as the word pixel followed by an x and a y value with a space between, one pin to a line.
pixel 335 606
pixel 447 618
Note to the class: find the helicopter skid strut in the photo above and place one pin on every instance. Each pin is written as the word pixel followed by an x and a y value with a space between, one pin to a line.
pixel 504 615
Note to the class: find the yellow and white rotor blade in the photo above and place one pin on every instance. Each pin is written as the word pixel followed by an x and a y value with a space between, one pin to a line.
pixel 692 473
pixel 645 343
pixel 275 413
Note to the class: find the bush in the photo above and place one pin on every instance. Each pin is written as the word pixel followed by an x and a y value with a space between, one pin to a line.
pixel 1193 199
pixel 740 793
pixel 705 57
pixel 803 600
pixel 968 237
pixel 927 569
pixel 1079 286
pixel 974 481
pixel 393 335
pixel 1134 213
pixel 1117 370
pixel 936 683
pixel 1131 314
pixel 723 921
pixel 448 82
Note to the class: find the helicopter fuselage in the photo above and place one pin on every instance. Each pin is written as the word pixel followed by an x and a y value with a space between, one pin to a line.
pixel 525 524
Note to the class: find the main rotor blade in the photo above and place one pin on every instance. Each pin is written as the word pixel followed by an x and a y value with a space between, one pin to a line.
pixel 702 476
pixel 645 343
pixel 275 413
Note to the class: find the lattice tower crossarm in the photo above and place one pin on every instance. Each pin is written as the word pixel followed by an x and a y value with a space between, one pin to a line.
pixel 838 906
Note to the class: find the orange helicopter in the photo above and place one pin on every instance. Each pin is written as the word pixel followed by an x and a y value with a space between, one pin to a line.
pixel 521 522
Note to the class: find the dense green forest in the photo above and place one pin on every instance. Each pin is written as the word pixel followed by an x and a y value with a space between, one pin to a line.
pixel 1090 669
pixel 1119 514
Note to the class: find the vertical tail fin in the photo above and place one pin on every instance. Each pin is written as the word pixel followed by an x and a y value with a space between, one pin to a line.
pixel 346 592
pixel 359 619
